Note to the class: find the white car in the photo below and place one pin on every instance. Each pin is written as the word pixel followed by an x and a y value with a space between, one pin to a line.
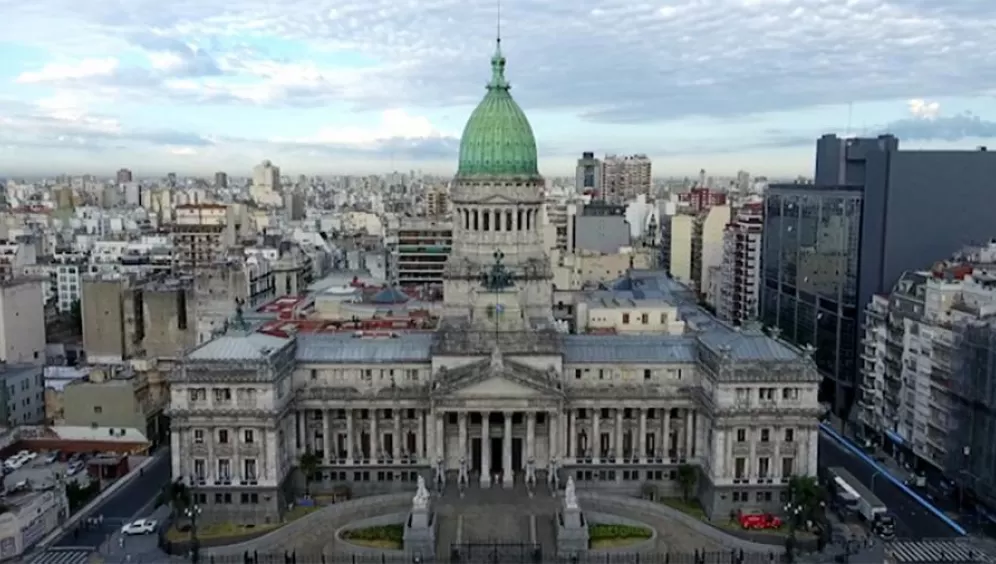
pixel 27 455
pixel 140 527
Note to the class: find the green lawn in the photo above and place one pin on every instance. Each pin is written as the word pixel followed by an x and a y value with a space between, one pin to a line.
pixel 223 530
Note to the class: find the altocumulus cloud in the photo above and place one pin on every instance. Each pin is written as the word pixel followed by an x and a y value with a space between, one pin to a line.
pixel 614 61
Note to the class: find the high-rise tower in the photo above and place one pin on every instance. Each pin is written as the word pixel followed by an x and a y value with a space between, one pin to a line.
pixel 497 196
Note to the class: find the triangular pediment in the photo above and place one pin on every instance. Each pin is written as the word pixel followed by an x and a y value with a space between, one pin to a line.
pixel 488 379
pixel 497 386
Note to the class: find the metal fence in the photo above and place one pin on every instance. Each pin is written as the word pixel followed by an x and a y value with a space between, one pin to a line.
pixel 505 557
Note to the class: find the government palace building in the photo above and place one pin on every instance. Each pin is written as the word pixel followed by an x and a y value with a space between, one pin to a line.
pixel 499 393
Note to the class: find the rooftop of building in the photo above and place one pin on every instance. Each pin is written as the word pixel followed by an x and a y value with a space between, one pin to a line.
pixel 239 346
pixel 404 339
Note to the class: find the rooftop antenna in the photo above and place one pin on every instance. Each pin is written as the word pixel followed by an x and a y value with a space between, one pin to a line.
pixel 498 37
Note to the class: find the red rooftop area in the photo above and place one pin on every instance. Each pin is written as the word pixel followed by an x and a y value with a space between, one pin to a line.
pixel 419 320
pixel 288 307
pixel 955 271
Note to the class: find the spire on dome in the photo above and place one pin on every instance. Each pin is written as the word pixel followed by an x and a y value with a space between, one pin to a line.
pixel 498 81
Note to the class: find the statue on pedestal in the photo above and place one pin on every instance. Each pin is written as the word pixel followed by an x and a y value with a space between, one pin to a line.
pixel 553 475
pixel 421 499
pixel 570 495
pixel 440 474
pixel 463 478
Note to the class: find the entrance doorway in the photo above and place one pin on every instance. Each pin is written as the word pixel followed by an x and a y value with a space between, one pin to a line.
pixel 475 454
pixel 517 454
pixel 496 455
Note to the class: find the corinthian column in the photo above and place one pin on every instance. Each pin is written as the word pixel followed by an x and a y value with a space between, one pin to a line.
pixel 508 478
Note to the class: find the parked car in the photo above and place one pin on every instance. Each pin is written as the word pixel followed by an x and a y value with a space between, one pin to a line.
pixel 757 519
pixel 13 463
pixel 140 527
pixel 51 457
pixel 27 455
pixel 75 467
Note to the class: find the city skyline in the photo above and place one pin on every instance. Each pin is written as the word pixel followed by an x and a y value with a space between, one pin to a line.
pixel 339 88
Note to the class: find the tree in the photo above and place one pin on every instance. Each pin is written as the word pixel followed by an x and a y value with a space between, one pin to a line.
pixel 177 495
pixel 687 478
pixel 308 464
pixel 807 493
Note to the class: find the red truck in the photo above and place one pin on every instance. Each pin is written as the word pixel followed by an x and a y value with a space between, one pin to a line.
pixel 757 519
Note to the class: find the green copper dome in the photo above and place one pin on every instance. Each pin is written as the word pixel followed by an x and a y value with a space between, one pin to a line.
pixel 498 140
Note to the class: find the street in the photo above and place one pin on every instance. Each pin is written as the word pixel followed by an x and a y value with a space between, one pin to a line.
pixel 913 520
pixel 122 506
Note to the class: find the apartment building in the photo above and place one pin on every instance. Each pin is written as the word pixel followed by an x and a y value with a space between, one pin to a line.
pixel 437 202
pixel 700 198
pixel 422 247
pixel 199 234
pixel 740 272
pixel 118 397
pixel 588 174
pixel 692 246
pixel 22 394
pixel 928 363
pixel 61 277
pixel 22 321
pixel 625 177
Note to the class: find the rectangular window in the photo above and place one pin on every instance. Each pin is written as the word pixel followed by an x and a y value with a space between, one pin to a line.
pixel 224 470
pixel 739 468
pixel 249 436
pixel 763 467
pixel 223 436
pixel 199 469
pixel 788 467
pixel 249 469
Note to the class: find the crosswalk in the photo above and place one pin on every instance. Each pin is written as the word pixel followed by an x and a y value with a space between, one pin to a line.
pixel 66 556
pixel 936 552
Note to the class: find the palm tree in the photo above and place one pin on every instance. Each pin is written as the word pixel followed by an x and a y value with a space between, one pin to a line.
pixel 687 477
pixel 308 464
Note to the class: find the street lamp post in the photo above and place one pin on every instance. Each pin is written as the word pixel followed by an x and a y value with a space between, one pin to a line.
pixel 192 513
pixel 794 513
pixel 872 485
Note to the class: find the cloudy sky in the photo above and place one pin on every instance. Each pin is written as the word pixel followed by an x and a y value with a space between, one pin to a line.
pixel 336 86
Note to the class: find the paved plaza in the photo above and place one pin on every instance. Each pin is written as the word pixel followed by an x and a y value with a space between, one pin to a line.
pixel 491 516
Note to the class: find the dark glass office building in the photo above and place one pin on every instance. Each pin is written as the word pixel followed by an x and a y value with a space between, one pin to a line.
pixel 809 289
pixel 873 213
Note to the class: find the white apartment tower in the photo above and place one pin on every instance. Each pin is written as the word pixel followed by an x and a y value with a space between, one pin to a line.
pixel 740 270
pixel 623 178
pixel 265 183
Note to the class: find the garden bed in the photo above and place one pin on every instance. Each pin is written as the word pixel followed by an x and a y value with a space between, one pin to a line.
pixel 615 536
pixel 385 537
